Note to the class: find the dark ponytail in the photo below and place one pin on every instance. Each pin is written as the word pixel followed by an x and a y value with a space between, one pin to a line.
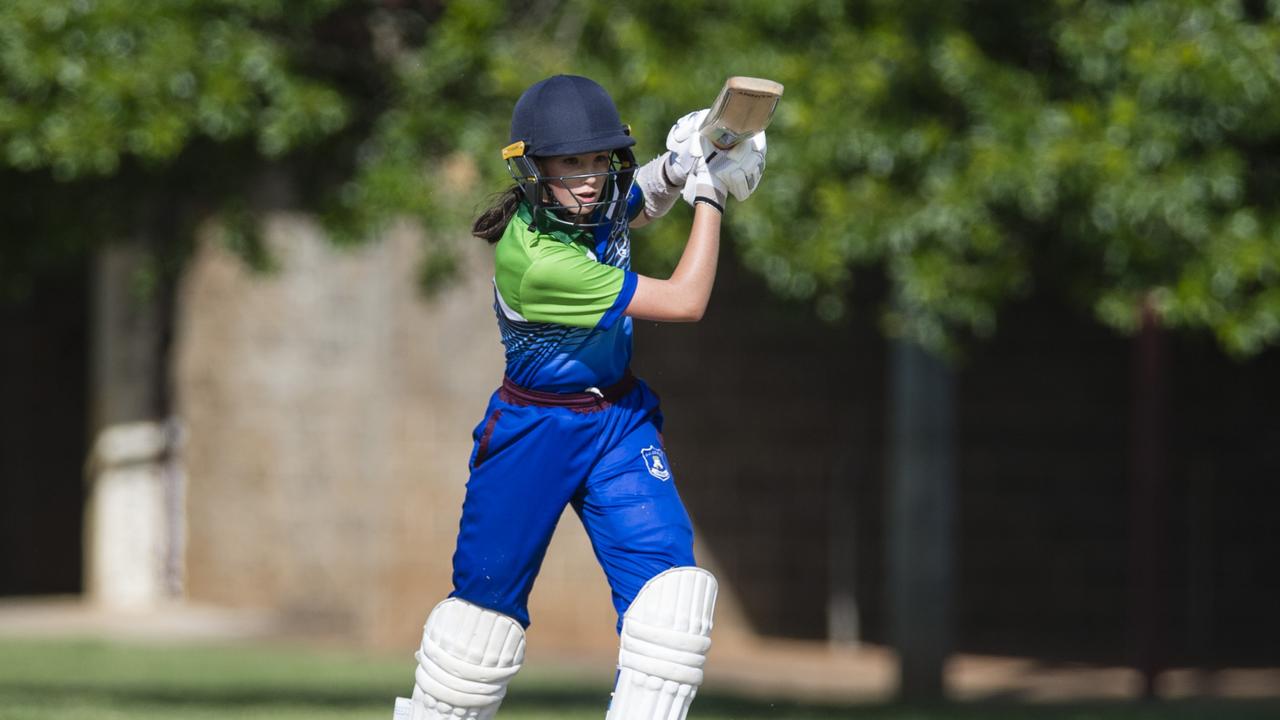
pixel 493 221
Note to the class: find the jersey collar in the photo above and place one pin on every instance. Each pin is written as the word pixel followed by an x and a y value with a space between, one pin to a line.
pixel 545 226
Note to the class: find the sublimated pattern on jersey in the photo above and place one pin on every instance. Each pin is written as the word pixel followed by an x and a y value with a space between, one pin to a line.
pixel 559 297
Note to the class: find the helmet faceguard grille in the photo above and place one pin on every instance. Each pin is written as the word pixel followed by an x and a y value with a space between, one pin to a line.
pixel 611 205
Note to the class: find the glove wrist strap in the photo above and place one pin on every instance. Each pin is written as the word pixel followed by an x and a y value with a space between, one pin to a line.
pixel 710 201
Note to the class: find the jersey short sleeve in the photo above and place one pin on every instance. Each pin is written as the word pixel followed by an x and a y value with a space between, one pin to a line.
pixel 563 285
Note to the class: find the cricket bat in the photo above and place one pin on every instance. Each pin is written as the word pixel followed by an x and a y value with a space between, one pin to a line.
pixel 743 108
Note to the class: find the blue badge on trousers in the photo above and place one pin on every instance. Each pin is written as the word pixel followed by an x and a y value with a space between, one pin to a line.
pixel 656 462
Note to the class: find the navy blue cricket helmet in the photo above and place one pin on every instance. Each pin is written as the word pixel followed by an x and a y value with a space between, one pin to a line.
pixel 569 115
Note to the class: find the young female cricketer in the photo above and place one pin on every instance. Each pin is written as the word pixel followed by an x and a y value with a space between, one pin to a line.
pixel 570 424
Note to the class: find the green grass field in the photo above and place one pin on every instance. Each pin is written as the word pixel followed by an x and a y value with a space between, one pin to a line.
pixel 93 680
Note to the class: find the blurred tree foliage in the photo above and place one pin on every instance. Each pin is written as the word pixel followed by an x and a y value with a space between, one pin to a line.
pixel 124 118
pixel 1125 151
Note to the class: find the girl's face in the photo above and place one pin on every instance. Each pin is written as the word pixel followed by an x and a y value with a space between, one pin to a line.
pixel 576 192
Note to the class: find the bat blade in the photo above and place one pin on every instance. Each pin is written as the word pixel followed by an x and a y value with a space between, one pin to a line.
pixel 743 108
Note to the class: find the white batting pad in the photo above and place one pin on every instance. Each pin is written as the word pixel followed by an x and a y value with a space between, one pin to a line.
pixel 665 637
pixel 468 656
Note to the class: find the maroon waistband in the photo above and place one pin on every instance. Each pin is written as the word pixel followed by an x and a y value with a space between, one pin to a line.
pixel 593 399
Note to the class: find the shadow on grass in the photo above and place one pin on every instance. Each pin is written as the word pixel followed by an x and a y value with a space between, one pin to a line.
pixel 709 704
pixel 227 697
pixel 579 700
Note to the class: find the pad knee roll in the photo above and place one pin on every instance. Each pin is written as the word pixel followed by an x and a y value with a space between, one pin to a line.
pixel 665 637
pixel 468 656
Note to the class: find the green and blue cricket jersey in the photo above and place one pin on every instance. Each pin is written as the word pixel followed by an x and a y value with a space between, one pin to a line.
pixel 559 296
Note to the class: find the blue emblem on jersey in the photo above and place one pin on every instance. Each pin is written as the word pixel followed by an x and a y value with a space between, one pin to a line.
pixel 656 462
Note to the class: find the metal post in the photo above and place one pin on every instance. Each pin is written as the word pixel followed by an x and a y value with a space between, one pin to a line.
pixel 1149 544
pixel 921 510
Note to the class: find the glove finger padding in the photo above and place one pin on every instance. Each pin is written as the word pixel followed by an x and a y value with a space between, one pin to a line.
pixel 685 129
pixel 686 145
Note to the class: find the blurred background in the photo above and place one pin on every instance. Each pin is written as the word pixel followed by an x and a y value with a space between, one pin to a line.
pixel 982 408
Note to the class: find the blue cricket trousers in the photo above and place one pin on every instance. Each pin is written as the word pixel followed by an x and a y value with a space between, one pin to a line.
pixel 536 452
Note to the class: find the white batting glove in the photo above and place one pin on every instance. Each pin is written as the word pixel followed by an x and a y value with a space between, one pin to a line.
pixel 663 178
pixel 737 170
pixel 685 145
pixel 687 148
pixel 743 166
